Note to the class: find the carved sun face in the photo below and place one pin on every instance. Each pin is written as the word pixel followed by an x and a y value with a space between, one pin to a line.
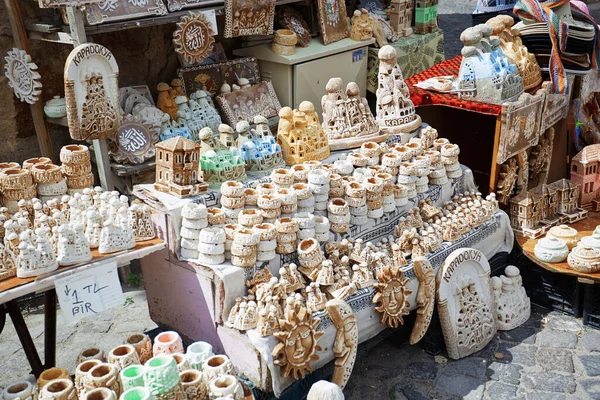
pixel 392 296
pixel 298 338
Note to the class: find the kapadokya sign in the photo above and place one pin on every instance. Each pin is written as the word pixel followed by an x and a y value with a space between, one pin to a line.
pixel 92 92
pixel 89 292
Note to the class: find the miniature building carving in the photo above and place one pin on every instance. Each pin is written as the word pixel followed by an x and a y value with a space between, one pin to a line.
pixel 585 171
pixel 426 16
pixel 400 14
pixel 258 147
pixel 177 167
pixel 220 163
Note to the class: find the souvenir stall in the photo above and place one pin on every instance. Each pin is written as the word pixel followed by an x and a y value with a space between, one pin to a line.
pixel 281 219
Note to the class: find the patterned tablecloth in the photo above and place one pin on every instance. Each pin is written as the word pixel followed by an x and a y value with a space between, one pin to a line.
pixel 422 97
pixel 416 53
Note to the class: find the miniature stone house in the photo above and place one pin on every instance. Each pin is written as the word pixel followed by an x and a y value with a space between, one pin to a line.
pixel 426 16
pixel 526 211
pixel 585 171
pixel 177 167
pixel 568 196
pixel 400 14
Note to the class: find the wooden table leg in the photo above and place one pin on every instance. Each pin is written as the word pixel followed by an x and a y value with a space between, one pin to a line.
pixel 25 337
pixel 494 169
pixel 49 329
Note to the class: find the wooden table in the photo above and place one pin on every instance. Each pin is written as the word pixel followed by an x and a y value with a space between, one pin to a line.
pixel 585 227
pixel 15 288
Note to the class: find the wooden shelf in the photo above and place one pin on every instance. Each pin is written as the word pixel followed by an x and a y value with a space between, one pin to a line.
pixel 60 33
pixel 585 227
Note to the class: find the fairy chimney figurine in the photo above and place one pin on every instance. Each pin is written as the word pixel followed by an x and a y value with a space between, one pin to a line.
pixel 165 102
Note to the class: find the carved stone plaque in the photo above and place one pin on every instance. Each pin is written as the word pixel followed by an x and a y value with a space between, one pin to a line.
pixel 193 37
pixel 465 304
pixel 245 104
pixel 92 92
pixel 333 21
pixel 249 17
pixel 22 76
pixel 134 142
pixel 118 10
pixel 346 340
pixel 210 77
pixel 67 3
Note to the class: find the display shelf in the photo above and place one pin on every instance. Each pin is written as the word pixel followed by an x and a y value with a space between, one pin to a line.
pixel 16 287
pixel 585 227
pixel 62 121
pixel 59 33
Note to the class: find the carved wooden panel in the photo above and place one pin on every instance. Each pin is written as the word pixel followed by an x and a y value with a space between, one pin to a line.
pixel 249 17
pixel 193 37
pixel 556 107
pixel 134 141
pixel 521 124
pixel 115 10
pixel 92 92
pixel 210 77
pixel 67 3
pixel 177 5
pixel 245 104
pixel 333 21
pixel 22 76
pixel 465 304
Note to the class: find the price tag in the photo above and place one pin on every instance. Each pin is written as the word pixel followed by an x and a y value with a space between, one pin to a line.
pixel 87 293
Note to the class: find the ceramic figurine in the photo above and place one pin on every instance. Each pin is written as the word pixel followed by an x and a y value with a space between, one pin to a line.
pixel 347 118
pixel 73 247
pixel 513 307
pixel 297 328
pixel 486 75
pixel 469 324
pixel 551 250
pixel 177 168
pixel 395 110
pixel 140 221
pixel 346 340
pixel 300 135
pixel 362 26
pixel 584 259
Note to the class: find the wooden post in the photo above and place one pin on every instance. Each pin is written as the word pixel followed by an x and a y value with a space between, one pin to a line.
pixel 37 110
pixel 78 34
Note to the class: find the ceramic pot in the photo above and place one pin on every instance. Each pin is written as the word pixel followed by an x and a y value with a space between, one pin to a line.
pixel 92 353
pixel 168 342
pixel 226 386
pixel 52 374
pixel 56 107
pixel 99 394
pixel 551 250
pixel 142 345
pixel 132 376
pixel 162 378
pixel 591 241
pixel 584 259
pixel 137 393
pixel 19 390
pixel 197 353
pixel 216 366
pixel 103 375
pixel 80 373
pixel 566 233
pixel 59 389
pixel 182 362
pixel 123 356
pixel 193 385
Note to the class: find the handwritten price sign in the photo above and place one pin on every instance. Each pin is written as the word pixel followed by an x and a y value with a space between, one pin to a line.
pixel 87 293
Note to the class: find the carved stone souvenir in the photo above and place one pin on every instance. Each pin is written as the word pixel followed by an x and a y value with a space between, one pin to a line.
pixel 291 19
pixel 426 16
pixel 551 250
pixel 226 387
pixel 346 340
pixel 115 10
pixel 392 296
pixel 508 179
pixel 134 142
pixel 301 136
pixel 177 166
pixel 91 92
pixel 586 174
pixel 218 162
pixel 322 390
pixel 486 75
pixel 248 17
pixel 284 42
pixel 260 151
pixel 347 118
pixel 22 76
pixel 19 390
pixel 332 19
pixel 425 297
pixel 400 14
pixel 362 26
pixel 193 37
pixel 513 307
pixel 566 233
pixel 465 305
pixel 297 348
pixel 245 104
pixel 584 259
pixel 58 389
pixel 395 110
